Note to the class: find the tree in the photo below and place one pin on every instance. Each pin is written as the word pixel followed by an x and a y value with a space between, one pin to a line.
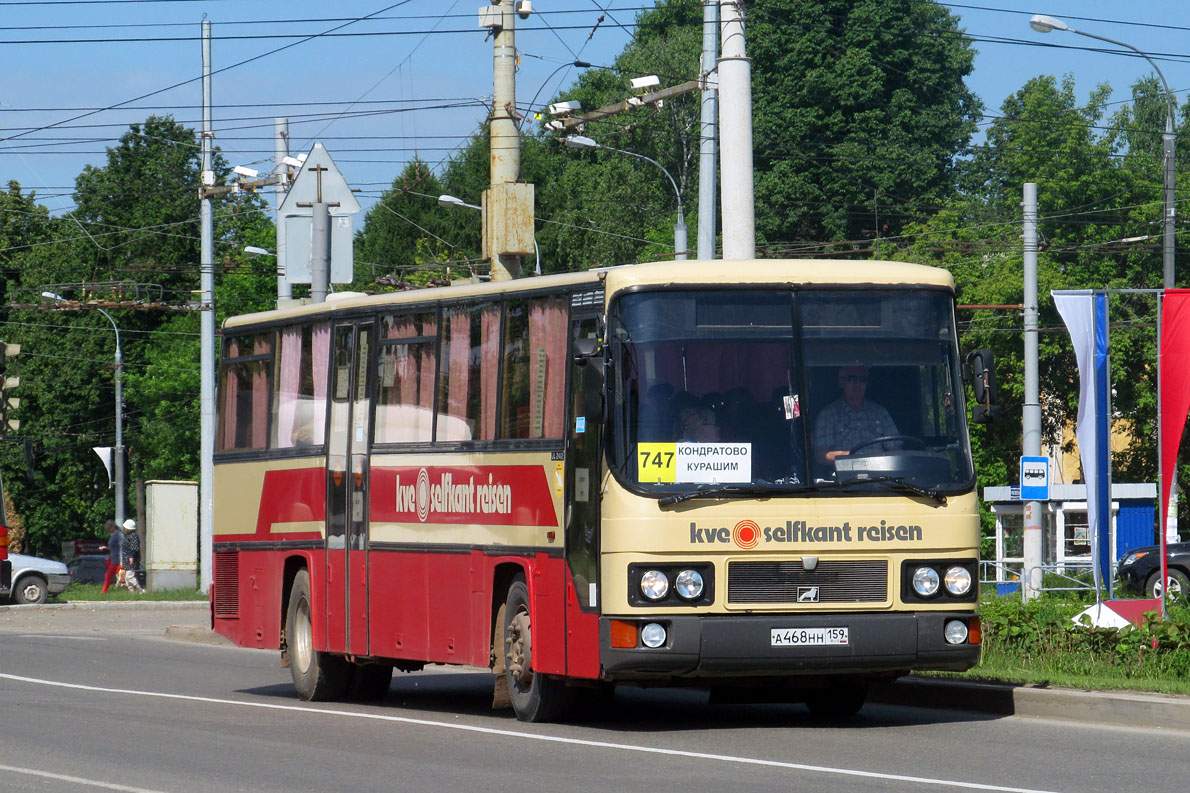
pixel 136 222
pixel 1099 196
pixel 406 233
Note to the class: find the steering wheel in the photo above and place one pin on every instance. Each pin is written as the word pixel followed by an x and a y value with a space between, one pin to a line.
pixel 913 441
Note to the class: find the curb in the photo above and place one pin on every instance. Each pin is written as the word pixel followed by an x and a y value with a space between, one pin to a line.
pixel 1120 708
pixel 197 634
pixel 104 605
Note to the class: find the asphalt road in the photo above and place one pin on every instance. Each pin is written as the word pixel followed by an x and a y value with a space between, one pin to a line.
pixel 101 700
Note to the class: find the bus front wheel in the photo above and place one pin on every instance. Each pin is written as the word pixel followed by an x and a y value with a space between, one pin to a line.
pixel 317 676
pixel 535 697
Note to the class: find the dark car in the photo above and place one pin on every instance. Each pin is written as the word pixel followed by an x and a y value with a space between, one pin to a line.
pixel 1140 570
pixel 88 569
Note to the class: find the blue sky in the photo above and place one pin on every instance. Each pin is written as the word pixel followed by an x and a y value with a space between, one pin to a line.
pixel 434 65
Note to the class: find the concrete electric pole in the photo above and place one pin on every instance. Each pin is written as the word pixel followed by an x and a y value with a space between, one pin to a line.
pixel 206 489
pixel 507 204
pixel 709 137
pixel 735 129
pixel 1034 515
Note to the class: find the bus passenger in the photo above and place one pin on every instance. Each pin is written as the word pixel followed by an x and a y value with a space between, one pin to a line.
pixel 850 420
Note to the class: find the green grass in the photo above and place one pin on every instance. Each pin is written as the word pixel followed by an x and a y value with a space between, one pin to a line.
pixel 1037 644
pixel 76 593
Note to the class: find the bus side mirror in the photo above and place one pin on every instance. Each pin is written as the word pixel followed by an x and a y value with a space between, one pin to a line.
pixel 981 369
pixel 585 349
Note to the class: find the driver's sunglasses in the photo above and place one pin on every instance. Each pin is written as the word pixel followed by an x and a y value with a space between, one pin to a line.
pixel 855 378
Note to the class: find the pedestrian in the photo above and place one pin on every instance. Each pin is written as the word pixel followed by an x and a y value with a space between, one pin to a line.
pixel 115 553
pixel 131 556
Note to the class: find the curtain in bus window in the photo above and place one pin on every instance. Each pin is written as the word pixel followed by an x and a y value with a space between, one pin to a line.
pixel 456 353
pixel 229 389
pixel 321 349
pixel 489 356
pixel 260 396
pixel 288 379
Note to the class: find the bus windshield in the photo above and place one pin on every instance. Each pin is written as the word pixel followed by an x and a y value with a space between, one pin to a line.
pixel 762 390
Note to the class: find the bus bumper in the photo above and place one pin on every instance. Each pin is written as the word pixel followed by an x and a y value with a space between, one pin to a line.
pixel 5 575
pixel 709 646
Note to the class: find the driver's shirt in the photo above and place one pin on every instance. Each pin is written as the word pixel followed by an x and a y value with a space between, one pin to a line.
pixel 839 427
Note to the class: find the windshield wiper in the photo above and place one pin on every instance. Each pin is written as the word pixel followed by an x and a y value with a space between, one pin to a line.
pixel 897 484
pixel 755 488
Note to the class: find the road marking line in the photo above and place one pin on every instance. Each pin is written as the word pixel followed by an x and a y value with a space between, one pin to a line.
pixel 723 758
pixel 88 782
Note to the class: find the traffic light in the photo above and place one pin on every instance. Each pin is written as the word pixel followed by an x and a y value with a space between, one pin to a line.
pixel 8 403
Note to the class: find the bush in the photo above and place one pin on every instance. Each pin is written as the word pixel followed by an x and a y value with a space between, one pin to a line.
pixel 1039 639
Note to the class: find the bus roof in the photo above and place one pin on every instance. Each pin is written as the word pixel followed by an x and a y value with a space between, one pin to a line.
pixel 818 272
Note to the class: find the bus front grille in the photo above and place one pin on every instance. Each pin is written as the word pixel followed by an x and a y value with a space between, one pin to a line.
pixel 831 581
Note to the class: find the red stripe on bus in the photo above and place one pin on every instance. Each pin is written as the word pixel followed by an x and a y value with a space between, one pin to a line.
pixel 498 495
pixel 294 496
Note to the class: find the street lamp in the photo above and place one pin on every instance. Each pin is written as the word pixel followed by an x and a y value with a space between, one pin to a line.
pixel 255 251
pixel 452 201
pixel 583 142
pixel 1045 24
pixel 118 452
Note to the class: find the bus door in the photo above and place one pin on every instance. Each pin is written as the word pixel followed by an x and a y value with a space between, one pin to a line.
pixel 347 493
pixel 582 503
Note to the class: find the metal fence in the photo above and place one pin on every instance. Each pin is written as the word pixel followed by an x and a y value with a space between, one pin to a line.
pixel 1068 576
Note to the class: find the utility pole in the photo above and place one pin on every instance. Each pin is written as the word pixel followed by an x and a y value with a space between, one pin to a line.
pixel 1034 517
pixel 320 241
pixel 281 171
pixel 207 329
pixel 735 127
pixel 507 204
pixel 708 143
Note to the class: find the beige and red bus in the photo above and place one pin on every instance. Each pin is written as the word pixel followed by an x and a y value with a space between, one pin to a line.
pixel 747 476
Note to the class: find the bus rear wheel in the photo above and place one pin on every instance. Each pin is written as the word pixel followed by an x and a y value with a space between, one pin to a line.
pixel 317 676
pixel 535 697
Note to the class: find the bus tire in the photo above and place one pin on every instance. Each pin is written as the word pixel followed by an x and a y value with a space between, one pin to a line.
pixel 317 676
pixel 369 682
pixel 535 697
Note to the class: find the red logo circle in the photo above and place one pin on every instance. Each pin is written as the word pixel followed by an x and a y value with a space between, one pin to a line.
pixel 746 534
pixel 423 495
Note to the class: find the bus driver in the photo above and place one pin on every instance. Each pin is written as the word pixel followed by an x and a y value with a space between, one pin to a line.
pixel 850 420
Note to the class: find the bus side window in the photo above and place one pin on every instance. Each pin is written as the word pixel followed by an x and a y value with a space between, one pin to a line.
pixel 535 362
pixel 299 386
pixel 406 370
pixel 467 373
pixel 244 392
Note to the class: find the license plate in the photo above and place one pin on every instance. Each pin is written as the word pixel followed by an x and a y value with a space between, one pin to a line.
pixel 808 637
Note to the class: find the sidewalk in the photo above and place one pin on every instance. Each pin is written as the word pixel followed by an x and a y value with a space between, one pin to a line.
pixel 1119 708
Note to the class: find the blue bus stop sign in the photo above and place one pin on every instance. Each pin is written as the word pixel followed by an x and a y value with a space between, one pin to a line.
pixel 1035 479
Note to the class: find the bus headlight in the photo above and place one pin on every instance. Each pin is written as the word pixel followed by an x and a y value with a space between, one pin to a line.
pixel 955 632
pixel 654 584
pixel 652 635
pixel 925 581
pixel 957 580
pixel 689 584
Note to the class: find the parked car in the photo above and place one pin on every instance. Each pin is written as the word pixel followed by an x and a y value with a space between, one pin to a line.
pixel 1140 570
pixel 88 569
pixel 91 568
pixel 34 579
